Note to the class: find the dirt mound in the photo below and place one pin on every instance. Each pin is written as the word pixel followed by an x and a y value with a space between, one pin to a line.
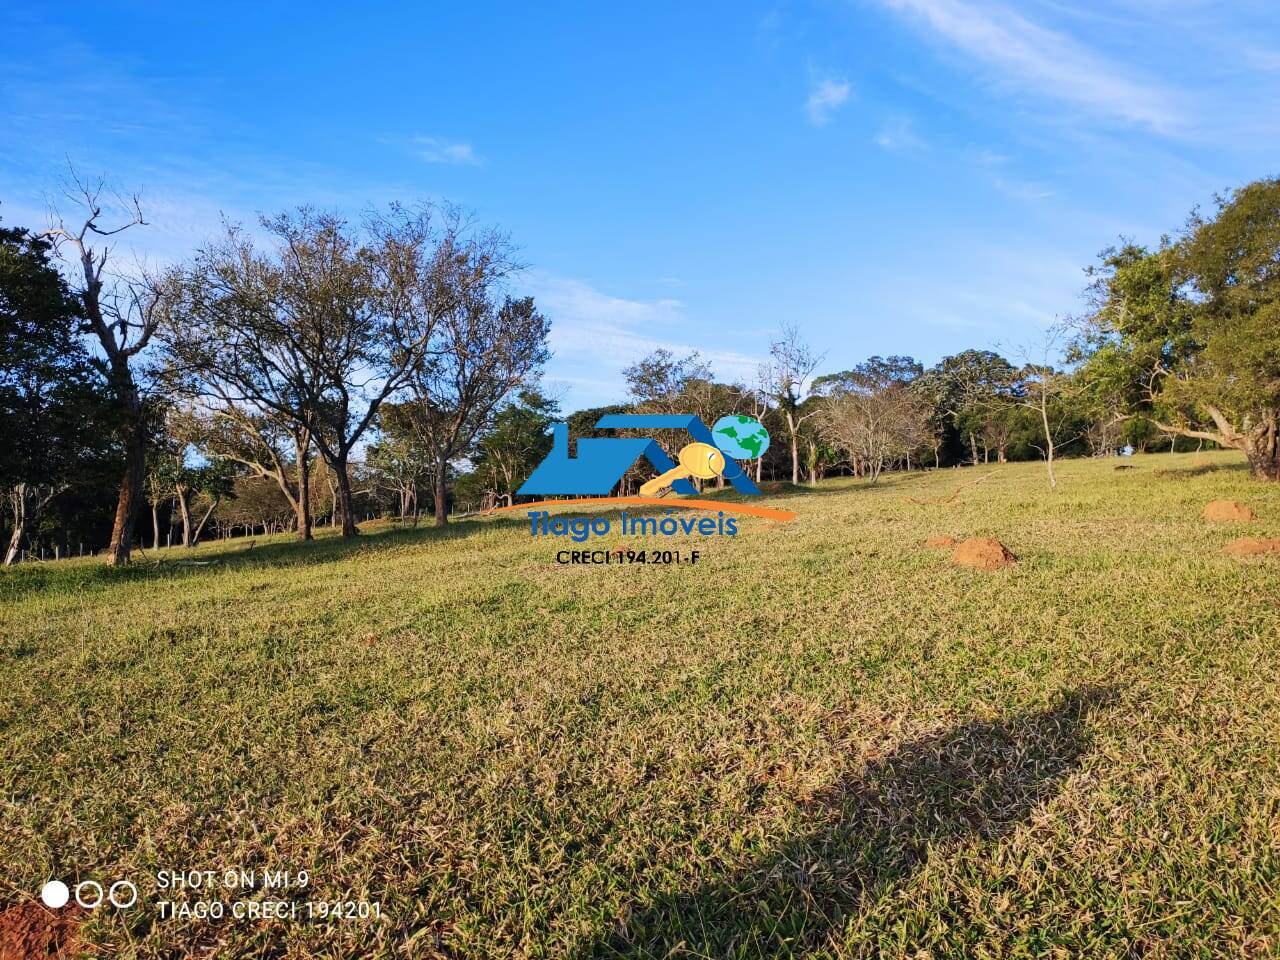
pixel 29 930
pixel 983 553
pixel 1228 511
pixel 1252 546
pixel 940 543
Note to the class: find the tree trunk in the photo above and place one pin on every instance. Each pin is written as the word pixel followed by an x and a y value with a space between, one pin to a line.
pixel 301 443
pixel 973 447
pixel 1048 441
pixel 1262 448
pixel 155 525
pixel 345 506
pixel 14 551
pixel 130 497
pixel 440 491
pixel 18 498
pixel 186 517
pixel 213 505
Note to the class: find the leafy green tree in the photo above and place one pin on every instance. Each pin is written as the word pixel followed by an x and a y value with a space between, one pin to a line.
pixel 1189 334
pixel 485 348
pixel 399 460
pixel 514 445
pixel 1233 376
pixel 1141 328
pixel 327 324
pixel 976 388
pixel 54 409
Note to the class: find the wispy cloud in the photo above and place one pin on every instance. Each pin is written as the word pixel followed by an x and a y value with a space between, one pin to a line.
pixel 436 150
pixel 1021 190
pixel 825 98
pixel 594 335
pixel 1049 62
pixel 899 136
pixel 985 156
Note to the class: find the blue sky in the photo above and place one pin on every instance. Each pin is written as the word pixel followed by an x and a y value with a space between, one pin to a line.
pixel 893 176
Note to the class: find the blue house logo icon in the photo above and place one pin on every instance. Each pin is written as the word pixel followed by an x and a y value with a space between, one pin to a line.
pixel 602 461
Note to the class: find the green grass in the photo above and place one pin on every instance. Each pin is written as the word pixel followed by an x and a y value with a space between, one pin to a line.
pixel 822 740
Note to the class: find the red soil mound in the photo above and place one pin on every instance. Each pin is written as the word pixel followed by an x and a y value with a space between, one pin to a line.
pixel 29 930
pixel 940 543
pixel 983 553
pixel 1252 546
pixel 1228 511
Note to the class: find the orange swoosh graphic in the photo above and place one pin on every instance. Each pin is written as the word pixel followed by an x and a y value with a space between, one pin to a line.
pixel 767 512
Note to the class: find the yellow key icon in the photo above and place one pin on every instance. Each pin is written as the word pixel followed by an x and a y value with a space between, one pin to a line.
pixel 700 460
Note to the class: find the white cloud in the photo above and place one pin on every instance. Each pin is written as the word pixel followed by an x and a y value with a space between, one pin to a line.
pixel 1022 190
pixel 826 97
pixel 1034 57
pixel 900 136
pixel 594 335
pixel 436 150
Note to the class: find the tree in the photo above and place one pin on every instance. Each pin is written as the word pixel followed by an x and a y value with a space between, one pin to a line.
pixel 661 383
pixel 1232 377
pixel 656 383
pixel 933 390
pixel 1140 328
pixel 211 483
pixel 515 443
pixel 976 387
pixel 323 328
pixel 266 444
pixel 398 460
pixel 871 412
pixel 256 503
pixel 485 347
pixel 122 313
pixel 1192 329
pixel 785 378
pixel 54 412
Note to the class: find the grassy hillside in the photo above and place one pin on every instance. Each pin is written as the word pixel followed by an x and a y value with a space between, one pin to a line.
pixel 821 740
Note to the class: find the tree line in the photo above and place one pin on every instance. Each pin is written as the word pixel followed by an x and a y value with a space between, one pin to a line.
pixel 319 371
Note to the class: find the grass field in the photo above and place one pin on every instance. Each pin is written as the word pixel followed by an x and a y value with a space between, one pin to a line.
pixel 823 740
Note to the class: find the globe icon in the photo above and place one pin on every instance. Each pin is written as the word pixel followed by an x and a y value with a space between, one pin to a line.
pixel 743 438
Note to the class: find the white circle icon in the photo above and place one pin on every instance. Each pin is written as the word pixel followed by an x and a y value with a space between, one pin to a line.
pixel 119 901
pixel 92 885
pixel 55 894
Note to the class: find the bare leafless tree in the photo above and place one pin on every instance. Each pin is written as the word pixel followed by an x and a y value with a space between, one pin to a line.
pixel 122 312
pixel 873 416
pixel 1045 391
pixel 786 379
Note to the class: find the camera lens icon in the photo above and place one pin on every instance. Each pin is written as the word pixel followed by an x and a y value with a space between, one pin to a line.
pixel 55 894
pixel 89 894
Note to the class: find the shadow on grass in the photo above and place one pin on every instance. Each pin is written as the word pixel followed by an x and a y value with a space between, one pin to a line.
pixel 873 830
pixel 1198 470
pixel 218 556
